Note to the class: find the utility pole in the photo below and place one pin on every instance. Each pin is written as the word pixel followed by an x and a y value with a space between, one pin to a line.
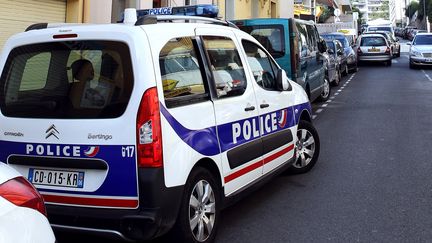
pixel 425 16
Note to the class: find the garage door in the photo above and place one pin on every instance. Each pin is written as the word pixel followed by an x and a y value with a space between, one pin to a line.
pixel 17 15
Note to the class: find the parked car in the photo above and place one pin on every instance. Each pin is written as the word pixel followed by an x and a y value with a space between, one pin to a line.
pixel 394 42
pixel 387 28
pixel 22 210
pixel 374 48
pixel 334 64
pixel 349 52
pixel 414 32
pixel 296 46
pixel 407 30
pixel 421 50
pixel 164 145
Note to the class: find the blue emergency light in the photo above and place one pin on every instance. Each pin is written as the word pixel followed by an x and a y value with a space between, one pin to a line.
pixel 201 10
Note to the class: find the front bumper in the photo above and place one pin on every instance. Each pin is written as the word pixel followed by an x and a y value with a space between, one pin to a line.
pixel 156 214
pixel 426 61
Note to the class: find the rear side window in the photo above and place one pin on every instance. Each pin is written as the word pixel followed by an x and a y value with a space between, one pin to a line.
pixel 227 68
pixel 270 36
pixel 76 79
pixel 373 41
pixel 180 72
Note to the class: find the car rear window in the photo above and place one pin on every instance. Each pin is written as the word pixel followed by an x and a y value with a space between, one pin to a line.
pixel 373 41
pixel 270 36
pixel 384 28
pixel 74 79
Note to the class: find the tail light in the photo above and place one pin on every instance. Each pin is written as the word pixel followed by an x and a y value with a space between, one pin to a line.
pixel 22 193
pixel 387 50
pixel 149 133
pixel 359 50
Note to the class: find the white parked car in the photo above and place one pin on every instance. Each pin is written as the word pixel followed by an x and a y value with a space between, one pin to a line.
pixel 421 50
pixel 22 210
pixel 374 48
pixel 129 130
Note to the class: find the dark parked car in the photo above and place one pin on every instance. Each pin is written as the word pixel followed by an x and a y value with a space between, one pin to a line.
pixel 348 51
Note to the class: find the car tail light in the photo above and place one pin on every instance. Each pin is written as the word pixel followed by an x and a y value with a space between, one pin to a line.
pixel 387 50
pixel 149 139
pixel 359 51
pixel 22 193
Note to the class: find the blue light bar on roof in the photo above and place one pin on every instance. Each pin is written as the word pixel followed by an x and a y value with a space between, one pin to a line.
pixel 202 10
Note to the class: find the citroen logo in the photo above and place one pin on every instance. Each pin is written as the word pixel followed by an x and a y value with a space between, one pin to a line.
pixel 52 131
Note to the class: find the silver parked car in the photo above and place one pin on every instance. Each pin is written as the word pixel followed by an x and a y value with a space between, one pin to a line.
pixel 421 50
pixel 333 65
pixel 374 48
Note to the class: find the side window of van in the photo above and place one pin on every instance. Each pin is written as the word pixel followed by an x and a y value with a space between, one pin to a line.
pixel 303 40
pixel 225 63
pixel 180 71
pixel 263 69
pixel 313 37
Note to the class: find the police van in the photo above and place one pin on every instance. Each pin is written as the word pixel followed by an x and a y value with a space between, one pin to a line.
pixel 131 130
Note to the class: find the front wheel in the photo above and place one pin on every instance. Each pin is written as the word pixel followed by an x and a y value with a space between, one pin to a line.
pixel 307 148
pixel 325 94
pixel 199 212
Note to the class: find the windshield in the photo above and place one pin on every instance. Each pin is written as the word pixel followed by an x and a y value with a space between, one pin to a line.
pixel 330 45
pixel 373 41
pixel 74 79
pixel 423 40
pixel 270 36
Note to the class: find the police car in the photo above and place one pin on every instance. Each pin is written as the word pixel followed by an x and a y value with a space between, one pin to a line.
pixel 131 130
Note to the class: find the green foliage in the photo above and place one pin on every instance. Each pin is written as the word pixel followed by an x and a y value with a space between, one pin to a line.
pixel 411 9
pixel 327 13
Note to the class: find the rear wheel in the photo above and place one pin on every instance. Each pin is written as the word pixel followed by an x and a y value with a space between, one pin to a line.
pixel 325 94
pixel 307 148
pixel 199 212
pixel 398 54
pixel 389 63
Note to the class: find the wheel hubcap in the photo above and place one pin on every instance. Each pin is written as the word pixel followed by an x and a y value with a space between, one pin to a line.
pixel 305 148
pixel 202 210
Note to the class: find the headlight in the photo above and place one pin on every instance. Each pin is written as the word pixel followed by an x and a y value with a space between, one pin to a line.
pixel 415 53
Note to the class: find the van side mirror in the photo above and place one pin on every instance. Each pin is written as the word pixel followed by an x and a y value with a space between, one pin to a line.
pixel 282 81
pixel 322 46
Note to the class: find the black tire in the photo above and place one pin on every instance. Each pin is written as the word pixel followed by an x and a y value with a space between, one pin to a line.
pixel 298 167
pixel 398 55
pixel 411 65
pixel 389 63
pixel 325 94
pixel 182 231
pixel 345 72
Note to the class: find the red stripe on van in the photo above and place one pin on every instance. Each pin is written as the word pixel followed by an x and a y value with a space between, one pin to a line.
pixel 258 164
pixel 103 202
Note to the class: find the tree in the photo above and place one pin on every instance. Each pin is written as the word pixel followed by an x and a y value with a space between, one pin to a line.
pixel 411 9
pixel 360 15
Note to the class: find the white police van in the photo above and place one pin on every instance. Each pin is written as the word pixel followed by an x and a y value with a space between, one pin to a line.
pixel 131 130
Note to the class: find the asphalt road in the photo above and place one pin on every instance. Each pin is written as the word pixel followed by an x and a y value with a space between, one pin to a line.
pixel 372 181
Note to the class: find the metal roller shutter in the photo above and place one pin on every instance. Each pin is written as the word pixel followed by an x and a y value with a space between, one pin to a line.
pixel 17 15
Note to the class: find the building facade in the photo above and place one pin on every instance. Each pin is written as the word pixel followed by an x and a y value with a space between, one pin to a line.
pixel 377 9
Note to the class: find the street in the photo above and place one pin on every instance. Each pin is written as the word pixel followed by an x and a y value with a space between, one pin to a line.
pixel 372 180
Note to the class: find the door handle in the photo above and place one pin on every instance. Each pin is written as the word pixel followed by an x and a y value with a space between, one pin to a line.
pixel 264 105
pixel 250 108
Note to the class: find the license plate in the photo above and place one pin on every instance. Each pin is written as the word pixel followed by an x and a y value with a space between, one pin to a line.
pixel 373 50
pixel 428 59
pixel 60 178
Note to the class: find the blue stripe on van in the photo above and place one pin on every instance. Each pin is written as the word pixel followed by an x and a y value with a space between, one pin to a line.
pixel 205 141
